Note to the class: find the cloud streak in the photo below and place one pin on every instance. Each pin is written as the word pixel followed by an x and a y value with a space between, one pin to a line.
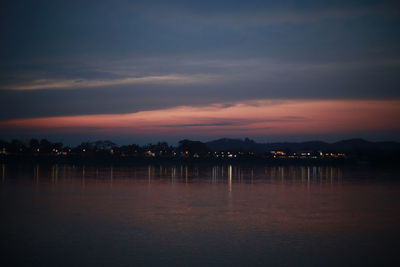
pixel 84 83
pixel 264 14
pixel 251 118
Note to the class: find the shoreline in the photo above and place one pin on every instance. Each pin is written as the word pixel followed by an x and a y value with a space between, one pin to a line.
pixel 134 161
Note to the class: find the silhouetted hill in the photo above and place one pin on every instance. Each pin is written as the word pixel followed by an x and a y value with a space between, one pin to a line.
pixel 361 144
pixel 349 145
pixel 292 146
pixel 226 144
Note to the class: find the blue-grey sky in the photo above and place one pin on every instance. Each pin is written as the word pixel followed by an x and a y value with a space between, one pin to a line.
pixel 61 58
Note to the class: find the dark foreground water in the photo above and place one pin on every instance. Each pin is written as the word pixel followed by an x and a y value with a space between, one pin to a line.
pixel 64 215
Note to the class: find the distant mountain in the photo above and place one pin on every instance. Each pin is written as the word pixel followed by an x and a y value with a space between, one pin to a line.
pixel 227 144
pixel 292 146
pixel 361 144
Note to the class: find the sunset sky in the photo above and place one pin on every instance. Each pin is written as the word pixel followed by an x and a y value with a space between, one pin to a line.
pixel 147 71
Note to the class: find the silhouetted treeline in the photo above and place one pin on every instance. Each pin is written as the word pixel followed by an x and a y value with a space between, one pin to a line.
pixel 34 147
pixel 222 149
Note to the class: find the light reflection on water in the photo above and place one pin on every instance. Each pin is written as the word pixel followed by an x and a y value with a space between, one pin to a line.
pixel 198 215
pixel 229 174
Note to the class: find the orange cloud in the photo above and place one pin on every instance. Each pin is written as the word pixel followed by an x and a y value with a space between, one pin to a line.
pixel 251 117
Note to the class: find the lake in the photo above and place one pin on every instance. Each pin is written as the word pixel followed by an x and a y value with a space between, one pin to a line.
pixel 199 215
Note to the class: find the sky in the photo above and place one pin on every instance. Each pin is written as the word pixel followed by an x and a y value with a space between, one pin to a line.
pixel 147 71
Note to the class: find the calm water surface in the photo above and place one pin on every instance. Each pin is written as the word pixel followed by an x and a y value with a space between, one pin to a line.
pixel 65 215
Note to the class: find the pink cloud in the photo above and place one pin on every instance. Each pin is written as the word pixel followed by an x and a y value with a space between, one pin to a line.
pixel 252 117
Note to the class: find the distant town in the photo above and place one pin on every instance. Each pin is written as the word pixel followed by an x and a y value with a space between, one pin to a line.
pixel 220 150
